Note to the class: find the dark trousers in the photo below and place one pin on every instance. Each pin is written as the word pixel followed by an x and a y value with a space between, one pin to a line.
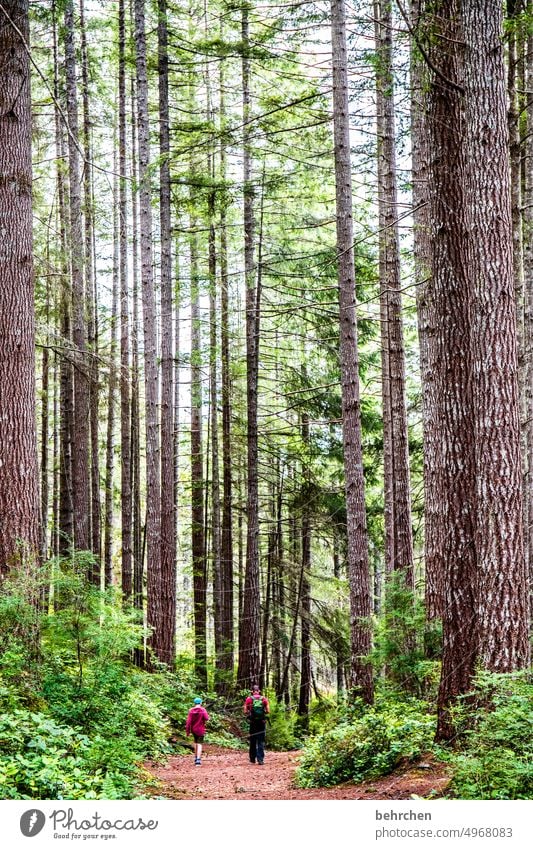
pixel 257 743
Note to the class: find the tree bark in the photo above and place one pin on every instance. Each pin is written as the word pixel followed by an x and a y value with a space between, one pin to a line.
pixel 199 566
pixel 125 375
pixel 249 646
pixel 19 486
pixel 427 323
pixel 399 555
pixel 166 639
pixel 81 421
pixel 358 572
pixel 153 476
pixel 502 610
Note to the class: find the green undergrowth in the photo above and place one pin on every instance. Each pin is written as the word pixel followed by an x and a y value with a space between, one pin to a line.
pixel 493 753
pixel 367 745
pixel 77 718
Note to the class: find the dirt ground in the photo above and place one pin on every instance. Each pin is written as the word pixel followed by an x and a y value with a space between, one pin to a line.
pixel 227 774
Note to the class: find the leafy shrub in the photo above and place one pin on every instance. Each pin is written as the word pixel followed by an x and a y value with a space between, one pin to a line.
pixel 40 759
pixel 405 644
pixel 281 724
pixel 372 745
pixel 495 738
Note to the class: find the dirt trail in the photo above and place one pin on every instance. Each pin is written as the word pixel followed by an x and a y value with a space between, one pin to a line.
pixel 227 774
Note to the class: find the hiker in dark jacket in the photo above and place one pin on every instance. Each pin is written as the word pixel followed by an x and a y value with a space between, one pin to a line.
pixel 256 708
pixel 195 725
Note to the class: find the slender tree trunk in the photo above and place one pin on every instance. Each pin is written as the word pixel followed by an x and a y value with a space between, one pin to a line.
pixel 199 566
pixel 91 306
pixel 166 641
pixel 66 400
pixel 81 423
pixel 358 573
pixel 249 647
pixel 153 477
pixel 45 425
pixel 125 376
pixel 218 576
pixel 19 485
pixel 226 557
pixel 305 613
pixel 427 324
pixel 137 539
pixel 111 403
pixel 396 440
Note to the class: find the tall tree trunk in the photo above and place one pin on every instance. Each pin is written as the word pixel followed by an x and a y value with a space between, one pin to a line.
pixel 528 296
pixel 249 646
pixel 218 576
pixel 91 306
pixel 125 375
pixel 395 436
pixel 166 641
pixel 226 557
pixel 199 566
pixel 45 422
pixel 358 572
pixel 502 609
pixel 153 477
pixel 111 403
pixel 135 438
pixel 80 446
pixel 448 298
pixel 19 486
pixel 66 399
pixel 305 612
pixel 427 323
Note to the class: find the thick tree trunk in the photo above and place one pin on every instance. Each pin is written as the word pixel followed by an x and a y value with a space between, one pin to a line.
pixel 528 301
pixel 19 486
pixel 502 609
pixel 358 573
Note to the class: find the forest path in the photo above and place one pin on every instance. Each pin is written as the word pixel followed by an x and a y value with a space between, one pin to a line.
pixel 227 774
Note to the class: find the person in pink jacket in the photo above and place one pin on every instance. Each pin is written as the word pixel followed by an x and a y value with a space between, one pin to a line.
pixel 195 725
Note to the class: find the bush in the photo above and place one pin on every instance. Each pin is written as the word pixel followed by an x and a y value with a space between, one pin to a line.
pixel 495 739
pixel 405 644
pixel 371 745
pixel 40 759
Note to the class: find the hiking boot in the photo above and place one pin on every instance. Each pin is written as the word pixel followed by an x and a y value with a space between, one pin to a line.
pixel 252 760
pixel 260 763
pixel 197 762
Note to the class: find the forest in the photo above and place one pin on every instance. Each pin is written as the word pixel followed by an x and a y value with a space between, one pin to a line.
pixel 266 391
